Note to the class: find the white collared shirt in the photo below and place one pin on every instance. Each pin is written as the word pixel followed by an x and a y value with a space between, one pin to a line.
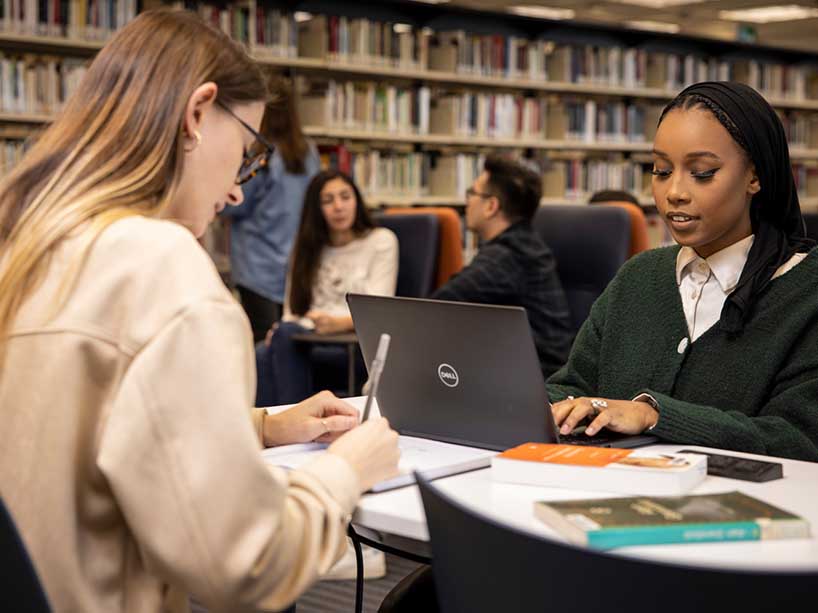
pixel 705 283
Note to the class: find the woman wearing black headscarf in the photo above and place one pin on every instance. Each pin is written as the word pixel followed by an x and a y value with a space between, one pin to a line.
pixel 713 342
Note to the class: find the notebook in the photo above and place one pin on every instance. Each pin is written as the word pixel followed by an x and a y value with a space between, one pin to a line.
pixel 434 459
pixel 461 373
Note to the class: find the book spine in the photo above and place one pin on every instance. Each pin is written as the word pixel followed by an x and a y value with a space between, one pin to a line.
pixel 682 533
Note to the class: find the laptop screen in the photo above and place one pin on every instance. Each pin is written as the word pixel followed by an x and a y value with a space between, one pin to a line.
pixel 456 372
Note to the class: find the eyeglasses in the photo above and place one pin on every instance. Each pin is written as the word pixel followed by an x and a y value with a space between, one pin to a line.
pixel 473 192
pixel 251 165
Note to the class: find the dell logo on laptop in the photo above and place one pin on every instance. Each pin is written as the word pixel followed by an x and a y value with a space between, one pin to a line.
pixel 448 375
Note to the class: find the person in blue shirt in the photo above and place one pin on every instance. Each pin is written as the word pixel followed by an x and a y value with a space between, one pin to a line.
pixel 263 229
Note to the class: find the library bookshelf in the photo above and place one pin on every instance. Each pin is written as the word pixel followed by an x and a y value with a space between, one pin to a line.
pixel 429 87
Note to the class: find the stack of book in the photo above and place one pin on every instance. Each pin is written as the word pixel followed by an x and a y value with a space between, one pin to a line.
pixel 633 471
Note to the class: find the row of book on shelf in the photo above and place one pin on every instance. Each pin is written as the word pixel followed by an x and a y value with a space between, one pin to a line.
pixel 383 107
pixel 659 507
pixel 38 84
pixel 380 107
pixel 360 40
pixel 77 19
pixel 31 83
pixel 276 32
pixel 448 174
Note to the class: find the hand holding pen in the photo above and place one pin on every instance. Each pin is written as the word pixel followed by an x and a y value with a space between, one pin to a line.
pixel 371 448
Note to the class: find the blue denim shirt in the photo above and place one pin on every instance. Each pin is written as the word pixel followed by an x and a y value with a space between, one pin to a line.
pixel 264 226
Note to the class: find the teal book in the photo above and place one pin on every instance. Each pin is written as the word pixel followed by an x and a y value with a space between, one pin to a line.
pixel 606 523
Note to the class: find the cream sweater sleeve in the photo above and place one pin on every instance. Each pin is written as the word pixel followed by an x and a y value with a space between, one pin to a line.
pixel 382 278
pixel 181 455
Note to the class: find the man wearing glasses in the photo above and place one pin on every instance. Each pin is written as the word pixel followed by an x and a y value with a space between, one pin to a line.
pixel 513 266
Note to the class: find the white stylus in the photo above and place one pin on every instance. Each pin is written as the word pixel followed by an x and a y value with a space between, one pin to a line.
pixel 375 373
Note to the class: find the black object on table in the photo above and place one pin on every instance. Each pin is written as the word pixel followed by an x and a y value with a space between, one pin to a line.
pixel 736 467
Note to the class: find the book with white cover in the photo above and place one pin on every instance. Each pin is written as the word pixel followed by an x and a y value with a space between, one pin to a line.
pixel 433 459
pixel 629 471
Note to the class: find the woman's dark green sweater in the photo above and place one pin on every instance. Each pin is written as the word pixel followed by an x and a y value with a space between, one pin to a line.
pixel 756 391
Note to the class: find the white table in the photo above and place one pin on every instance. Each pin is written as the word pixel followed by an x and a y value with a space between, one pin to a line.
pixel 400 513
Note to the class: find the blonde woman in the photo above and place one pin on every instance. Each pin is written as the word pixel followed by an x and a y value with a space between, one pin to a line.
pixel 130 457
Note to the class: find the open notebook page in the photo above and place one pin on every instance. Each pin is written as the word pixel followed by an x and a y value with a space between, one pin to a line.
pixel 433 458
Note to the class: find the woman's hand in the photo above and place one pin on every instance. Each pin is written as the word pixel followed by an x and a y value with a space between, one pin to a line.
pixel 268 338
pixel 329 324
pixel 371 450
pixel 625 416
pixel 321 418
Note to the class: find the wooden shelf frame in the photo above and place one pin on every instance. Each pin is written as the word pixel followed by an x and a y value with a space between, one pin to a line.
pixel 452 140
pixel 50 44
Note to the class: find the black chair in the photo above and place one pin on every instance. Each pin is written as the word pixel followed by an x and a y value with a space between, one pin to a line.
pixel 480 565
pixel 418 246
pixel 589 243
pixel 20 588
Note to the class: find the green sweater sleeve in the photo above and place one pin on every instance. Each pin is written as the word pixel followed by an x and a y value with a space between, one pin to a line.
pixel 786 425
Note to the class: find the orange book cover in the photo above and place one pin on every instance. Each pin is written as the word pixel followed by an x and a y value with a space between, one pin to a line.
pixel 633 471
pixel 579 455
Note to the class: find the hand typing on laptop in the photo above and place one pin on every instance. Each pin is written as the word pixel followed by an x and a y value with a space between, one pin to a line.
pixel 624 416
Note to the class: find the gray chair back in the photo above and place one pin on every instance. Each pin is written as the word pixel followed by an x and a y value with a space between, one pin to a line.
pixel 418 247
pixel 482 566
pixel 589 243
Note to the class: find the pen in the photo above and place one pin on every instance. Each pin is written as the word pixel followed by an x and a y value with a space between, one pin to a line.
pixel 375 373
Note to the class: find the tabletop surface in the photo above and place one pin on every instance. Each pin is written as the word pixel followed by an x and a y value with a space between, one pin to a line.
pixel 400 512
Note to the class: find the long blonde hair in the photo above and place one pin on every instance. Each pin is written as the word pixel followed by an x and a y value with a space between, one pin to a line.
pixel 117 148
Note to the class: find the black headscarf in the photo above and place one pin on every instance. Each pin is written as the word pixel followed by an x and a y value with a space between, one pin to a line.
pixel 775 213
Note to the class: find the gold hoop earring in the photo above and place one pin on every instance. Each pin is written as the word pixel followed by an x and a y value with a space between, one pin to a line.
pixel 198 138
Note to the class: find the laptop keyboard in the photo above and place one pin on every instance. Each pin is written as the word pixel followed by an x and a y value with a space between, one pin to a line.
pixel 598 440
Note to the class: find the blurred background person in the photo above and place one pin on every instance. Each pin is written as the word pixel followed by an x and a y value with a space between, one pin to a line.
pixel 338 250
pixel 262 230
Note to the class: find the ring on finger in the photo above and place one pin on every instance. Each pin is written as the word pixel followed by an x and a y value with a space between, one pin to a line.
pixel 596 405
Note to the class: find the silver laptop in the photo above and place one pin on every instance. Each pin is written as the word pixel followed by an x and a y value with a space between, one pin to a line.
pixel 462 373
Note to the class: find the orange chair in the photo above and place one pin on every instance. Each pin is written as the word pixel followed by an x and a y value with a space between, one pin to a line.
pixel 639 226
pixel 450 248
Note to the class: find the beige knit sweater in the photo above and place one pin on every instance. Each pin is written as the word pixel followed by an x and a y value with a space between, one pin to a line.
pixel 130 455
